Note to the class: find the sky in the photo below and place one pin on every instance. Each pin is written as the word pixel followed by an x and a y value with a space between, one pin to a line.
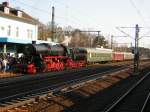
pixel 103 15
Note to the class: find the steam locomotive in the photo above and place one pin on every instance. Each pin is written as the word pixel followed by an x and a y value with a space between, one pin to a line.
pixel 45 57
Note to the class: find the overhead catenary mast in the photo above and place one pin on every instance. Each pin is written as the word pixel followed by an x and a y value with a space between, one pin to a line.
pixel 136 50
pixel 53 23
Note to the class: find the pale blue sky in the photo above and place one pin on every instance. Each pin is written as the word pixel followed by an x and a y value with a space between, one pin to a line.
pixel 102 15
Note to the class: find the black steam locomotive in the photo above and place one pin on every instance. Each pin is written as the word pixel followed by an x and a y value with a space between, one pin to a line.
pixel 45 57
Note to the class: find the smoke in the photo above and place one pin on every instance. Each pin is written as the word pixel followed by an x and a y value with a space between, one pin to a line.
pixel 67 40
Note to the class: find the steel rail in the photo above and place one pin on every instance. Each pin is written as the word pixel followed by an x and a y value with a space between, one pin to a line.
pixel 127 93
pixel 56 88
pixel 45 78
pixel 145 103
pixel 36 79
pixel 54 73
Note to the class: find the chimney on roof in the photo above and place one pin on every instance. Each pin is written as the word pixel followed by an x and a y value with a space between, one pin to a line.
pixel 5 7
pixel 19 13
pixel 5 4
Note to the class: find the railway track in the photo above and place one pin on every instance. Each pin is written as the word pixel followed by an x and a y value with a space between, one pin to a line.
pixel 26 76
pixel 103 100
pixel 22 90
pixel 134 99
pixel 56 75
pixel 31 88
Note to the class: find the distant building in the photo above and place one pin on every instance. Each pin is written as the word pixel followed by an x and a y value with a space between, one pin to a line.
pixel 16 28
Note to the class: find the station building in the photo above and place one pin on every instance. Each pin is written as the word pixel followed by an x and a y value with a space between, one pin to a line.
pixel 16 28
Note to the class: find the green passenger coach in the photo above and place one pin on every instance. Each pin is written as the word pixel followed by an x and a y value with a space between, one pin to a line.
pixel 99 55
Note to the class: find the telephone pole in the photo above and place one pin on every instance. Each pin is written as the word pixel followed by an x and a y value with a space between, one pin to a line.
pixel 53 23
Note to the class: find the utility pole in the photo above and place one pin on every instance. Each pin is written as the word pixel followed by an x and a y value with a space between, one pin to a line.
pixel 53 23
pixel 136 49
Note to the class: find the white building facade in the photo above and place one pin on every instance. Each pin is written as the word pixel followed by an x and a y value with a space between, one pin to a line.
pixel 17 31
pixel 16 28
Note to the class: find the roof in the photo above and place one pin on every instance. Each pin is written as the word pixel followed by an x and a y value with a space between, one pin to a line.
pixel 99 50
pixel 13 15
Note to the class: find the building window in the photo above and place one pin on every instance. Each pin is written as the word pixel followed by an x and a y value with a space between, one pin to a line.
pixel 9 31
pixel 17 32
pixel 2 31
pixel 2 28
pixel 29 33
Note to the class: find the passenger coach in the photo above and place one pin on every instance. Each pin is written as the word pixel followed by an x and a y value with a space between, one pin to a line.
pixel 98 55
